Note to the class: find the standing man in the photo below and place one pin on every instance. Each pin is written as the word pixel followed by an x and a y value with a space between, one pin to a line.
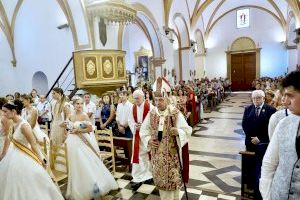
pixel 89 108
pixel 141 167
pixel 122 115
pixel 255 125
pixel 280 173
pixel 164 132
pixel 44 110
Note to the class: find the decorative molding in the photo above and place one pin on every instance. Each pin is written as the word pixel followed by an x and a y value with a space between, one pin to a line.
pixel 6 28
pixel 242 43
pixel 167 8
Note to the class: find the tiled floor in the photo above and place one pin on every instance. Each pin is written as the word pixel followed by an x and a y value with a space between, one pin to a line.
pixel 215 166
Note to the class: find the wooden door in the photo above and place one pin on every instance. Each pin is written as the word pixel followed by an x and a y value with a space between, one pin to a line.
pixel 243 70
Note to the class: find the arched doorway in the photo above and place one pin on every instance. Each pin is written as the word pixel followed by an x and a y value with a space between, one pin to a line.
pixel 40 82
pixel 243 63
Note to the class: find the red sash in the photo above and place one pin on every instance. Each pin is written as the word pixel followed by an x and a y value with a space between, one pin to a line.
pixel 136 146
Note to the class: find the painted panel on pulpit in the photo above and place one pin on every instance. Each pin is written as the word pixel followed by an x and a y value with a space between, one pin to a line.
pixel 107 67
pixel 120 67
pixel 90 68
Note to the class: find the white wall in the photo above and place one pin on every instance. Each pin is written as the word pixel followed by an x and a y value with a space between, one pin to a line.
pixel 133 39
pixel 39 45
pixel 263 30
pixel 292 59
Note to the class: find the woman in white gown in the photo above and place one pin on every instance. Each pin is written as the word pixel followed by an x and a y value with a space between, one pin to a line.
pixel 30 114
pixel 5 126
pixel 22 172
pixel 60 112
pixel 88 176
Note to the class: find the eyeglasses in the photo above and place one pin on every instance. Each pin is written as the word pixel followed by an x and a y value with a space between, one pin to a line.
pixel 257 98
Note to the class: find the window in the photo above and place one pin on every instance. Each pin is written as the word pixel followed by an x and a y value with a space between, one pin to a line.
pixel 242 18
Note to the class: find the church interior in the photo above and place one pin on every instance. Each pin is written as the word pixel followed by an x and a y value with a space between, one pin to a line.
pixel 208 55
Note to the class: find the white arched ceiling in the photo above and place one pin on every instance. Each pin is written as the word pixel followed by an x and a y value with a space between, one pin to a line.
pixel 182 30
pixel 276 6
pixel 153 34
pixel 179 6
pixel 9 6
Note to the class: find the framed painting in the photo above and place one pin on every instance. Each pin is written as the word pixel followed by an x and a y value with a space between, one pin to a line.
pixel 142 61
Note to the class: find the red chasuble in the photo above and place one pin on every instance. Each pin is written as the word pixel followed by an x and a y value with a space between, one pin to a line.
pixel 136 146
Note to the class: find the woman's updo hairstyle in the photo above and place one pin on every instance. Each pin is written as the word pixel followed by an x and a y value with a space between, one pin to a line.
pixel 17 105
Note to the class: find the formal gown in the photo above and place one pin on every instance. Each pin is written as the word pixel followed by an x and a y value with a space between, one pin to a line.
pixel 2 137
pixel 88 176
pixel 57 133
pixel 23 178
pixel 38 133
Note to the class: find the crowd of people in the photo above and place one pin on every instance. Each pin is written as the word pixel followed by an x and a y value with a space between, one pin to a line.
pixel 271 125
pixel 128 112
pixel 155 118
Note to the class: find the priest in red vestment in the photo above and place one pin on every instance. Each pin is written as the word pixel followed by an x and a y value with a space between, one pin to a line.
pixel 141 167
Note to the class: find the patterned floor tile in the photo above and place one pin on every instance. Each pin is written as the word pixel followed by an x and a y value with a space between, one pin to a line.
pixel 214 160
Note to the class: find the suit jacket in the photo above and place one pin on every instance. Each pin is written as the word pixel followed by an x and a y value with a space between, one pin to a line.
pixel 257 126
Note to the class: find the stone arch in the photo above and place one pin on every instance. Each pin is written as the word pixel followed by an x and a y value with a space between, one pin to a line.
pixel 242 43
pixel 182 30
pixel 40 82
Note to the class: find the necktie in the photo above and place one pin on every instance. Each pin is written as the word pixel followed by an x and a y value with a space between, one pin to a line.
pixel 257 111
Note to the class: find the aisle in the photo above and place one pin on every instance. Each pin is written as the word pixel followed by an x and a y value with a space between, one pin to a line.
pixel 215 165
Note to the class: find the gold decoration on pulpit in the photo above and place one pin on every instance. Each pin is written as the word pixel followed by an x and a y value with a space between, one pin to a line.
pixel 90 68
pixel 120 66
pixel 107 67
pixel 98 71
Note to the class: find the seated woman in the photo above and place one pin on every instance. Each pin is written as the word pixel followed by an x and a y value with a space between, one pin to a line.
pixel 22 173
pixel 88 176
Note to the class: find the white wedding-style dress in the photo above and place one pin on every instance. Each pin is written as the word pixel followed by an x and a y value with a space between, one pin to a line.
pixel 38 133
pixel 2 137
pixel 88 177
pixel 23 178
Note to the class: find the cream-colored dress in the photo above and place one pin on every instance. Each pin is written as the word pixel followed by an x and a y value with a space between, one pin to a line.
pixel 88 177
pixel 22 178
pixel 2 137
pixel 57 134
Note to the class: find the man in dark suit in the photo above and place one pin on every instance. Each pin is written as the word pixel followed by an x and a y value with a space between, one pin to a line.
pixel 255 125
pixel 256 120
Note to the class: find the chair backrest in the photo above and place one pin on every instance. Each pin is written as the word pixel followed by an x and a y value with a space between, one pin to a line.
pixel 105 139
pixel 58 156
pixel 45 128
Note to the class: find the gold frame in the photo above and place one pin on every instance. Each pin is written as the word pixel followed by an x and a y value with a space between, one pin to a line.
pixel 143 52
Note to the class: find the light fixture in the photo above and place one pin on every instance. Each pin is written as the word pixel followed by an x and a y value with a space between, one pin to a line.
pixel 66 25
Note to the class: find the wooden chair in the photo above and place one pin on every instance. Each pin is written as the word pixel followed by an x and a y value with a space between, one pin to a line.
pixel 45 128
pixel 43 146
pixel 59 157
pixel 105 140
